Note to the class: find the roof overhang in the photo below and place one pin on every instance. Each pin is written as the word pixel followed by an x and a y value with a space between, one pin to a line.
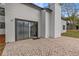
pixel 37 7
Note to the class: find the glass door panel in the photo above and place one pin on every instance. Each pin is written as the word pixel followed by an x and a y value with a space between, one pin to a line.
pixel 19 30
pixel 33 29
pixel 26 30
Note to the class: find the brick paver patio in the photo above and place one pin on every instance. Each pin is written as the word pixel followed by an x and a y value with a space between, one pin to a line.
pixel 63 46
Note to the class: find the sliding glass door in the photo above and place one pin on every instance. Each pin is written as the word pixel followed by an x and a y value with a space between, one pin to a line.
pixel 19 30
pixel 26 29
pixel 33 29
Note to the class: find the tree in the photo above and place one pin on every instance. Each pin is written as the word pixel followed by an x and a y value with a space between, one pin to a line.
pixel 69 11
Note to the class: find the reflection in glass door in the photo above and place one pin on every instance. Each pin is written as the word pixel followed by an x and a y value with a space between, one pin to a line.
pixel 26 29
pixel 33 29
pixel 19 31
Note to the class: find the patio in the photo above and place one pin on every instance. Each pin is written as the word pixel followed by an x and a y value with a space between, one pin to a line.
pixel 64 46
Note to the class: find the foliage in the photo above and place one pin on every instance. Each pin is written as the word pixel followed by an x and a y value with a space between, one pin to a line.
pixel 71 12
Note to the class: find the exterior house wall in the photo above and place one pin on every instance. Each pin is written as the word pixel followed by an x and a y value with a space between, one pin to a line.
pixel 45 21
pixel 55 20
pixel 20 11
pixel 49 24
pixel 63 22
pixel 42 23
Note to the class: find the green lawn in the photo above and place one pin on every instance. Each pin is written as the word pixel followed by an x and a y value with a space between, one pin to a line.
pixel 2 45
pixel 71 33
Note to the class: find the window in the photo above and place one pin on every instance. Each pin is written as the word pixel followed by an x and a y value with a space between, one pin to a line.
pixel 2 11
pixel 2 25
pixel 63 27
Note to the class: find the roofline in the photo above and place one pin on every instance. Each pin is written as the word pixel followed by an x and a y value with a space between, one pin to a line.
pixel 47 9
pixel 35 6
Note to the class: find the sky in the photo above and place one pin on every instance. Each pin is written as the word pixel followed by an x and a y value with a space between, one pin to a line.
pixel 46 5
pixel 43 5
pixel 72 5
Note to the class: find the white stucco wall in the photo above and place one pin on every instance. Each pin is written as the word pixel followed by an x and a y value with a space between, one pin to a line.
pixel 55 22
pixel 45 27
pixel 63 22
pixel 42 24
pixel 20 11
pixel 2 5
pixel 47 23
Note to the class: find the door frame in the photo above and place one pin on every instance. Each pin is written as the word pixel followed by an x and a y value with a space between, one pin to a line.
pixel 17 19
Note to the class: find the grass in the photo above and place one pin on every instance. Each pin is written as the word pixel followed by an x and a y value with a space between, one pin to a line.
pixel 71 33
